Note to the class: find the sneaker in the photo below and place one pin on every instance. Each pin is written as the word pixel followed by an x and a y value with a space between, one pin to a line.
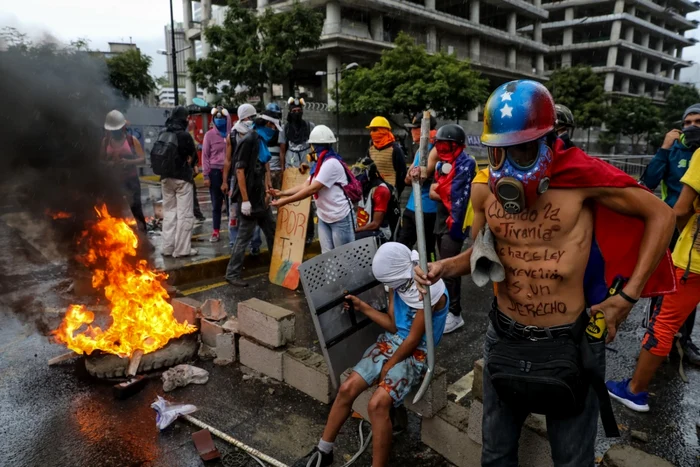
pixel 692 353
pixel 315 458
pixel 199 221
pixel 237 282
pixel 620 391
pixel 214 237
pixel 169 253
pixel 453 323
pixel 193 252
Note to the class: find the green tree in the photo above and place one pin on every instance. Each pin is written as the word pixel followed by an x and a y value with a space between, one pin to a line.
pixel 408 79
pixel 163 81
pixel 634 117
pixel 679 98
pixel 128 73
pixel 582 91
pixel 254 50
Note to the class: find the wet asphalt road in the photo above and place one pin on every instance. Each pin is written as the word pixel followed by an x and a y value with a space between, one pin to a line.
pixel 59 416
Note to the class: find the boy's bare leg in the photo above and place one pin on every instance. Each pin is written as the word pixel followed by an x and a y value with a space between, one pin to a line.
pixel 379 408
pixel 342 407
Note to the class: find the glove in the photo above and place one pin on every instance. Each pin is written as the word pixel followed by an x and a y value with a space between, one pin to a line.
pixel 246 208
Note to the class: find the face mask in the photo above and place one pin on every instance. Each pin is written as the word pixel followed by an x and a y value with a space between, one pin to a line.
pixel 295 116
pixel 448 151
pixel 415 134
pixel 691 136
pixel 220 124
pixel 519 175
pixel 266 133
pixel 117 134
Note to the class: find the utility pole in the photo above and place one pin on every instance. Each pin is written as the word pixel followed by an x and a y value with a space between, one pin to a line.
pixel 173 53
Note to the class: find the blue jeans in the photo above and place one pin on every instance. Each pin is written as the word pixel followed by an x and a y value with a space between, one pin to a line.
pixel 336 234
pixel 572 439
pixel 256 243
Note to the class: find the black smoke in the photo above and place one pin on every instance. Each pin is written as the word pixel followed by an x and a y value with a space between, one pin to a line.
pixel 52 109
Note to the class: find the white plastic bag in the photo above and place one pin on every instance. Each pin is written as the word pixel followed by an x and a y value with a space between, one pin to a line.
pixel 167 412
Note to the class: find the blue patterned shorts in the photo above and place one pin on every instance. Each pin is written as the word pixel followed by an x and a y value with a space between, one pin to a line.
pixel 401 377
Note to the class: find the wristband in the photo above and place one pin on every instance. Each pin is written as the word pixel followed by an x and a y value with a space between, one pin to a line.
pixel 627 297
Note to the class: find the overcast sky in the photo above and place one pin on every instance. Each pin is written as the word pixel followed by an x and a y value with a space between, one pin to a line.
pixel 142 21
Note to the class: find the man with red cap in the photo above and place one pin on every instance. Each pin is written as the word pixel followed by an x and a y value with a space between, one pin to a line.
pixel 535 213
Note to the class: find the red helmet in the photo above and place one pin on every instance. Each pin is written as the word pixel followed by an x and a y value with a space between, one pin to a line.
pixel 518 112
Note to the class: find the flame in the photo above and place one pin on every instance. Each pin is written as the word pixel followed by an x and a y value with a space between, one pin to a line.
pixel 142 319
pixel 58 214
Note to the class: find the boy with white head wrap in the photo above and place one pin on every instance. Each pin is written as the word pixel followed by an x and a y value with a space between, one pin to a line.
pixel 396 362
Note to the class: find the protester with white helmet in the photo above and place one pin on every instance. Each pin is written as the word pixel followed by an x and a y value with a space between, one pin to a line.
pixel 328 176
pixel 125 152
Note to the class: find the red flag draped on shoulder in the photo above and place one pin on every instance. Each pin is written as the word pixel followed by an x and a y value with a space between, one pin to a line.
pixel 619 236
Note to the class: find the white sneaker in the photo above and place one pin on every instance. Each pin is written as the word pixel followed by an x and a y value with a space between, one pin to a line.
pixel 453 323
pixel 193 252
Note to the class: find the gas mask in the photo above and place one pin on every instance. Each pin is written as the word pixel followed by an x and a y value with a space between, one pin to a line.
pixel 518 175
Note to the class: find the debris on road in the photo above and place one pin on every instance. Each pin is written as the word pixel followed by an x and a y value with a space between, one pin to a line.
pixel 271 391
pixel 167 412
pixel 205 352
pixel 182 375
pixel 62 358
pixel 205 445
pixel 128 388
pixel 640 436
pixel 231 325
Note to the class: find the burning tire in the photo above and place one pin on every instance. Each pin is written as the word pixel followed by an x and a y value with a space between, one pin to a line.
pixel 104 365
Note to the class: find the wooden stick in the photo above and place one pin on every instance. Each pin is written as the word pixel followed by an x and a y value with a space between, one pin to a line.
pixel 134 363
pixel 62 358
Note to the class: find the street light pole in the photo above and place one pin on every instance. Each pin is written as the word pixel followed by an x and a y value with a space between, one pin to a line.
pixel 174 52
pixel 337 106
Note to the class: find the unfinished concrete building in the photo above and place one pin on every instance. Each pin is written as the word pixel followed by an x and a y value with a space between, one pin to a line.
pixel 636 44
pixel 488 32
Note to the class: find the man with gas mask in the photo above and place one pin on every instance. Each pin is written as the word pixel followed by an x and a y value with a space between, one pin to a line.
pixel 252 158
pixel 667 168
pixel 565 125
pixel 454 173
pixel 541 207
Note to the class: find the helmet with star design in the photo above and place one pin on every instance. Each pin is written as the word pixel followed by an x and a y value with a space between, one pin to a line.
pixel 518 112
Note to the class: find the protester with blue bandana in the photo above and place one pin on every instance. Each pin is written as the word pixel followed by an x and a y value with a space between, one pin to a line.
pixel 213 159
pixel 250 186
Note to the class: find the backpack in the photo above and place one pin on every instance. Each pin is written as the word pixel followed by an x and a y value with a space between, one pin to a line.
pixel 353 189
pixel 165 157
pixel 393 213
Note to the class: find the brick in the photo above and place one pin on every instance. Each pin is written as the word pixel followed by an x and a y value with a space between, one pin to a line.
pixel 434 399
pixel 186 310
pixel 627 456
pixel 205 352
pixel 307 371
pixel 476 413
pixel 225 349
pixel 213 310
pixel 268 324
pixel 478 384
pixel 231 325
pixel 446 434
pixel 260 358
pixel 209 331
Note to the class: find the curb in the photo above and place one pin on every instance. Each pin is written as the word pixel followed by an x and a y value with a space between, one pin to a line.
pixel 216 267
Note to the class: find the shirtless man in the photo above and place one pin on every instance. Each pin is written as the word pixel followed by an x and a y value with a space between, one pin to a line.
pixel 543 238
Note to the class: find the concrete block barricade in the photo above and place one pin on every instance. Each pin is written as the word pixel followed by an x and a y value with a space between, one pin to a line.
pixel 213 309
pixel 225 349
pixel 478 383
pixel 262 359
pixel 446 434
pixel 307 371
pixel 208 331
pixel 268 324
pixel 186 310
pixel 434 399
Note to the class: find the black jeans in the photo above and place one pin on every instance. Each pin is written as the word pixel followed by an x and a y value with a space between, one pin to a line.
pixel 132 189
pixel 216 179
pixel 407 232
pixel 246 227
pixel 448 248
pixel 195 202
